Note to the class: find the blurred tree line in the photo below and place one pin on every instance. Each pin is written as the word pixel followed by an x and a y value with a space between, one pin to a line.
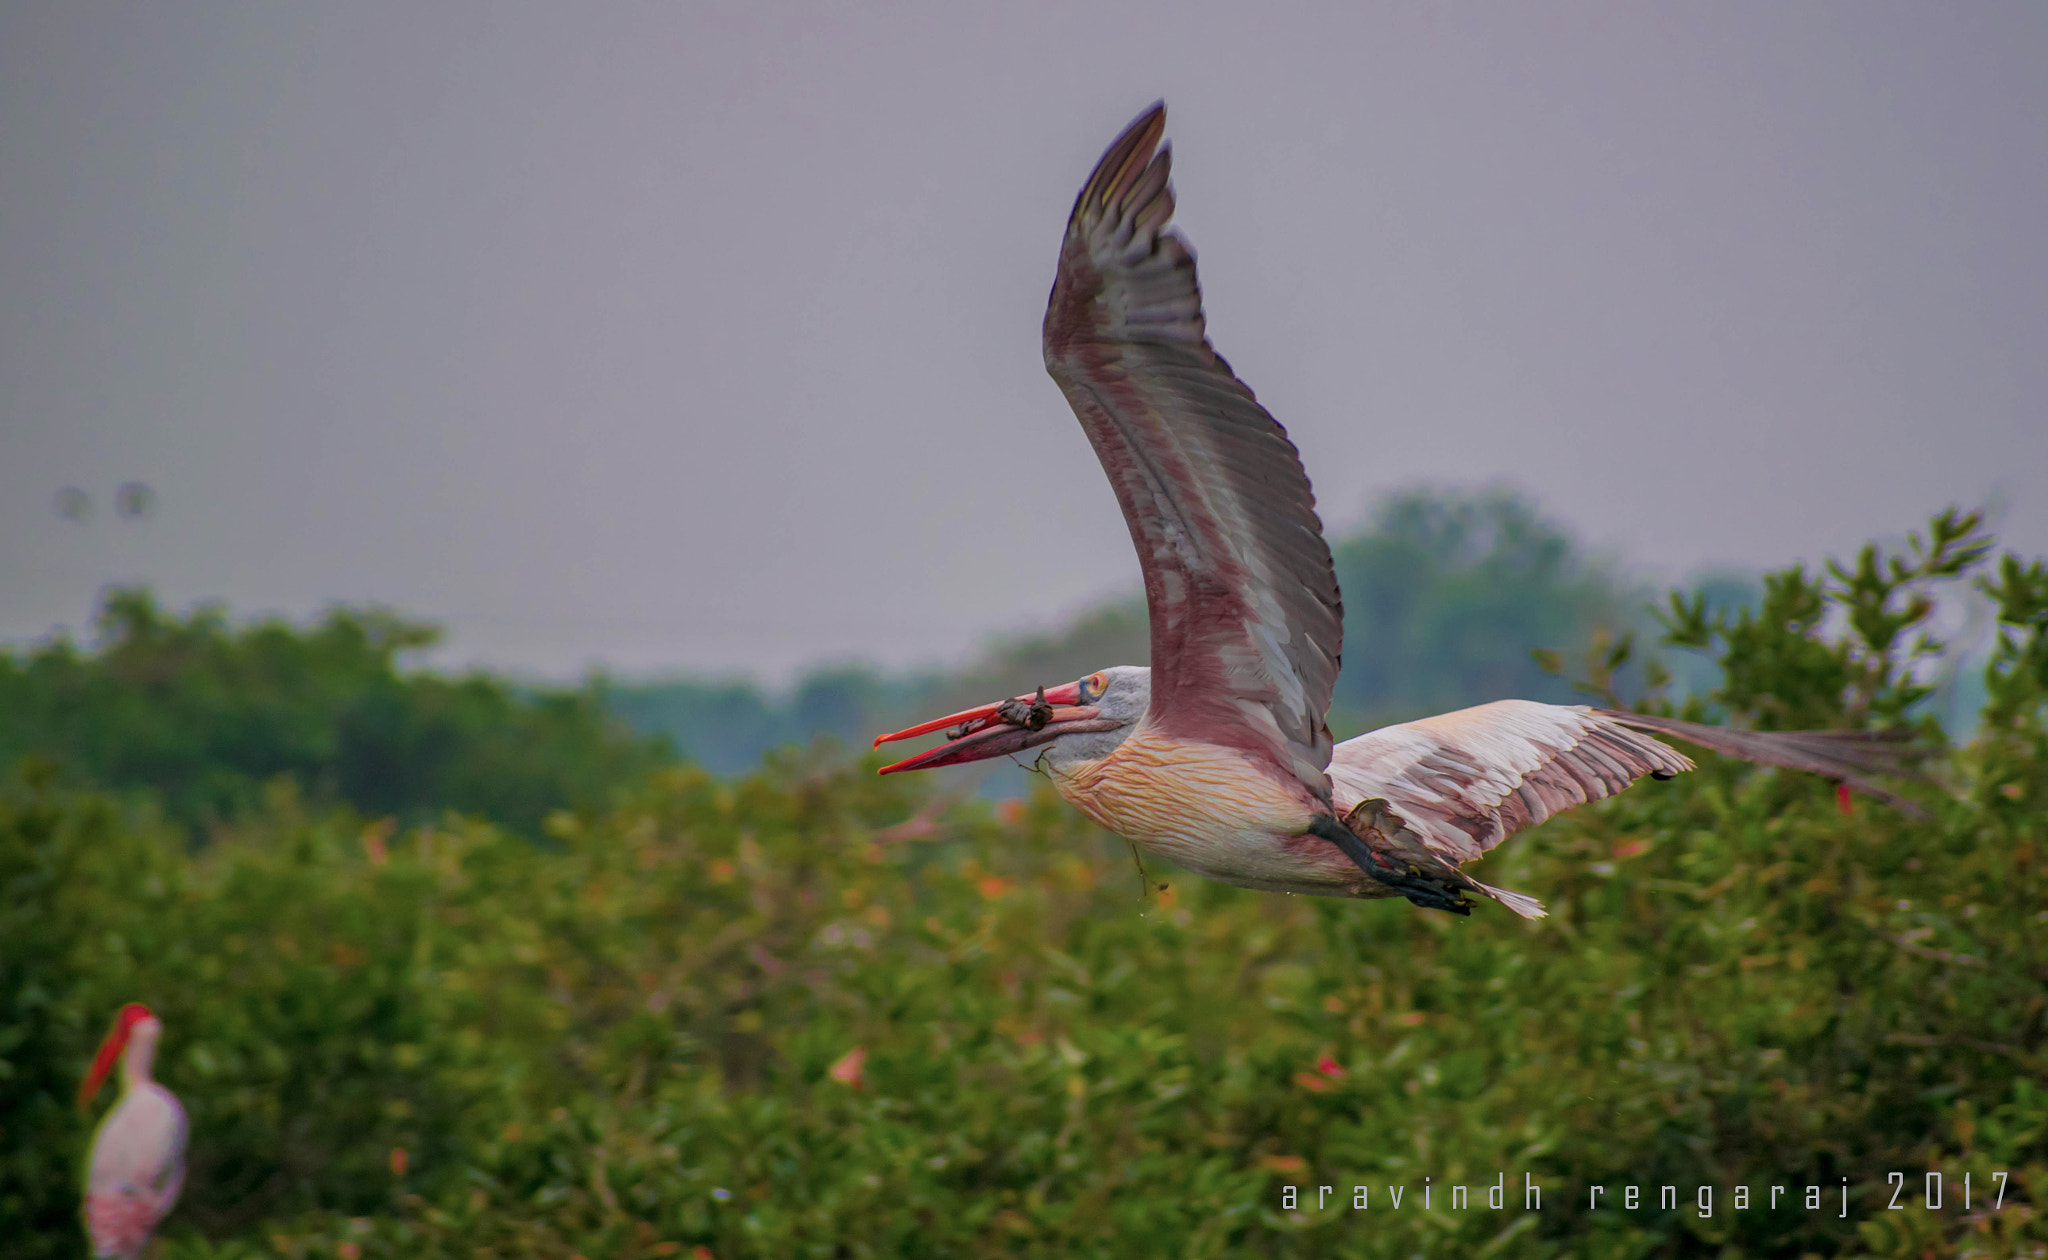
pixel 1445 596
pixel 201 715
pixel 1449 597
pixel 811 1011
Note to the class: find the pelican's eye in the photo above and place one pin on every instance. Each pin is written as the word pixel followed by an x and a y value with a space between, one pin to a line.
pixel 1093 686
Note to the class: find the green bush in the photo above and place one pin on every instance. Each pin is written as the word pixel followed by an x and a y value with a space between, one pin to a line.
pixel 201 716
pixel 641 1040
pixel 306 1046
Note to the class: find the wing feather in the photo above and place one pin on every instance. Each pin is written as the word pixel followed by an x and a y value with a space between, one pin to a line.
pixel 1246 622
pixel 1848 757
pixel 1466 781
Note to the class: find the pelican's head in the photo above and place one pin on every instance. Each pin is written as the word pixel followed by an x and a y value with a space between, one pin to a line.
pixel 1076 721
pixel 136 1026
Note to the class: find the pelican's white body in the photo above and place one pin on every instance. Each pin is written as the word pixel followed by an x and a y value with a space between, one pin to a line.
pixel 1462 780
pixel 137 1164
pixel 1220 812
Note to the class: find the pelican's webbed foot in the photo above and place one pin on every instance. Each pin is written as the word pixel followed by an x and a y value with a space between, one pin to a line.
pixel 1419 889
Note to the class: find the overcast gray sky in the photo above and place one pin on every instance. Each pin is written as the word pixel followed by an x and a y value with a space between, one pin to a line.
pixel 706 336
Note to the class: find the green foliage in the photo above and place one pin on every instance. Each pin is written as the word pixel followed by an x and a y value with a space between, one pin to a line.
pixel 41 1025
pixel 304 1049
pixel 726 725
pixel 1444 596
pixel 2018 677
pixel 1783 673
pixel 819 1013
pixel 2015 736
pixel 202 715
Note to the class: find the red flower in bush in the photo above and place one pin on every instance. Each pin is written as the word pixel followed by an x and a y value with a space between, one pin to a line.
pixel 847 1070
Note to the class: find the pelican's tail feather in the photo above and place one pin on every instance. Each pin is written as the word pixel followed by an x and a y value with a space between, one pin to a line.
pixel 1521 903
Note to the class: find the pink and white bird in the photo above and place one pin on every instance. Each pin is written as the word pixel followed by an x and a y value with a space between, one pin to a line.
pixel 137 1165
pixel 1217 756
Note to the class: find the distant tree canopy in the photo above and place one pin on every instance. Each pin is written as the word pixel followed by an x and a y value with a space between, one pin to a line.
pixel 202 715
pixel 725 725
pixel 1446 594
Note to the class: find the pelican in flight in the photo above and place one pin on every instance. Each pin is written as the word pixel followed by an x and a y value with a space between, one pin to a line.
pixel 1217 757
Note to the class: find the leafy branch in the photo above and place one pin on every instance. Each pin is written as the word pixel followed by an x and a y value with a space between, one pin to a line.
pixel 1782 670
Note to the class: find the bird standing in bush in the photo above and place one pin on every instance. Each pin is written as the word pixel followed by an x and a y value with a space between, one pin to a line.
pixel 137 1164
pixel 1219 756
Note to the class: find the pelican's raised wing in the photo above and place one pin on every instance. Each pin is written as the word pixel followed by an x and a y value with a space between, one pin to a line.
pixel 1246 622
pixel 1466 781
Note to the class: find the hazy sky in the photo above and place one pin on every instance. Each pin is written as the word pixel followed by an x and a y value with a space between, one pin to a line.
pixel 706 336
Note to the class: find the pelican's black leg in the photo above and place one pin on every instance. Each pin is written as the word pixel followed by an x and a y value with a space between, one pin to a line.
pixel 1419 889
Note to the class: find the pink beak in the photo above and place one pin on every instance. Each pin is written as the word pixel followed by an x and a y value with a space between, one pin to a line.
pixel 110 1049
pixel 1007 726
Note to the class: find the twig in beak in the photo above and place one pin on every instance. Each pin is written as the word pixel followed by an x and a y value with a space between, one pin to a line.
pixel 1032 717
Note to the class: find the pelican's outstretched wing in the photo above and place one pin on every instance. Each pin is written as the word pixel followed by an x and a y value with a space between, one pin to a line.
pixel 1246 623
pixel 1466 781
pixel 1460 783
pixel 1848 757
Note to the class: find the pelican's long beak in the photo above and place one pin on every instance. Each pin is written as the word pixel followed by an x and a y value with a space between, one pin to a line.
pixel 110 1049
pixel 1002 728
